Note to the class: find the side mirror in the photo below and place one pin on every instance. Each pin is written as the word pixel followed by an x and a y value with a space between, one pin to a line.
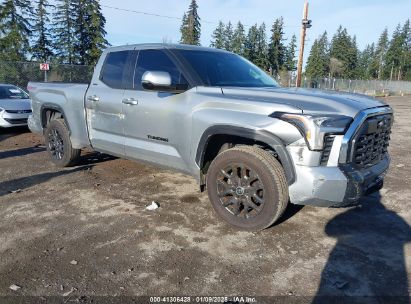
pixel 157 81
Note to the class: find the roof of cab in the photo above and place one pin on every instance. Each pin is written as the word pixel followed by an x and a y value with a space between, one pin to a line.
pixel 145 46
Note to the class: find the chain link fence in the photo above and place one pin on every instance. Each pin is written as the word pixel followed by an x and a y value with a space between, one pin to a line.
pixel 20 73
pixel 369 87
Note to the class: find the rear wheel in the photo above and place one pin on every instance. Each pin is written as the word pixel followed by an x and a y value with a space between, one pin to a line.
pixel 58 143
pixel 247 187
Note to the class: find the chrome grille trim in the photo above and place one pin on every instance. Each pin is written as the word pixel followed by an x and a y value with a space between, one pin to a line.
pixel 345 156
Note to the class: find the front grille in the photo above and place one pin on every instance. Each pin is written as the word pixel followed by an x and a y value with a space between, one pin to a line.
pixel 16 121
pixel 370 145
pixel 328 144
pixel 18 111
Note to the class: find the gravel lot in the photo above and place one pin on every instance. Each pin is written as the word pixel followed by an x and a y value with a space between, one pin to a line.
pixel 84 232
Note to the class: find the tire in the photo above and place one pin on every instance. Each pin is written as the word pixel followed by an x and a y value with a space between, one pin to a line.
pixel 58 143
pixel 247 187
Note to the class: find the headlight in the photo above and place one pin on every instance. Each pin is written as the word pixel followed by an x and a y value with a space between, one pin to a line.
pixel 314 127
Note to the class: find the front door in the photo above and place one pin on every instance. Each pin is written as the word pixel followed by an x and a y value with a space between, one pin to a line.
pixel 153 121
pixel 104 105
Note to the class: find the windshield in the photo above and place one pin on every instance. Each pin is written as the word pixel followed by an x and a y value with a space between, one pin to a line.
pixel 12 92
pixel 226 69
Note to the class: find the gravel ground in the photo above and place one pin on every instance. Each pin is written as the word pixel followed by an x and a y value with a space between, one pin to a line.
pixel 84 231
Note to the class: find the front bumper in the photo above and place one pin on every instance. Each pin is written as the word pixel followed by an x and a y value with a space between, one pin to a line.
pixel 8 120
pixel 336 186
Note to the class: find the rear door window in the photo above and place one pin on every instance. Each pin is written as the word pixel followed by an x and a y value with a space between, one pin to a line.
pixel 114 68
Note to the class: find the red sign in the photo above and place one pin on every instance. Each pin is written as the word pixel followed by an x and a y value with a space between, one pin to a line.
pixel 44 66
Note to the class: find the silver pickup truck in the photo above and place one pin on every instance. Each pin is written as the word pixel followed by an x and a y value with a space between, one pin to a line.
pixel 212 114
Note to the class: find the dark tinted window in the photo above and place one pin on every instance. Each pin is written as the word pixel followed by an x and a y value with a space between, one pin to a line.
pixel 156 60
pixel 113 69
pixel 226 69
pixel 12 92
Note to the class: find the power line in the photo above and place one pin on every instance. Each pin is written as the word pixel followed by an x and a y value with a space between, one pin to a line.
pixel 151 14
pixel 168 17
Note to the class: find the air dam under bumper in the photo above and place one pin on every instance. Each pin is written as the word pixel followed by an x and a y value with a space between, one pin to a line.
pixel 336 186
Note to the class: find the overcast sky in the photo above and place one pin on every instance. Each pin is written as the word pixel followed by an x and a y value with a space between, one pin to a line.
pixel 364 18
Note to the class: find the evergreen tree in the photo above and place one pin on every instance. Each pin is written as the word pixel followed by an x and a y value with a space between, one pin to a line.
pixel 407 57
pixel 378 63
pixel 89 31
pixel 396 54
pixel 344 49
pixel 228 37
pixel 290 62
pixel 276 48
pixel 15 29
pixel 42 48
pixel 238 39
pixel 262 48
pixel 318 60
pixel 191 26
pixel 218 37
pixel 64 28
pixel 250 45
pixel 365 60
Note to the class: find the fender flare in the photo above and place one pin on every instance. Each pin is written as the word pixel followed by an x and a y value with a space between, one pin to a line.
pixel 47 106
pixel 257 135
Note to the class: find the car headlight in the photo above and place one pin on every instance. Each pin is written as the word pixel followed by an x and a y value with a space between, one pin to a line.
pixel 314 127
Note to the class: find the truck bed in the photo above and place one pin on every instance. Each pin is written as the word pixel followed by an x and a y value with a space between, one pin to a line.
pixel 67 98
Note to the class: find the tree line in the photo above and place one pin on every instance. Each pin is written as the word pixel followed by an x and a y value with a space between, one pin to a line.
pixel 389 58
pixel 67 31
pixel 272 55
pixel 73 32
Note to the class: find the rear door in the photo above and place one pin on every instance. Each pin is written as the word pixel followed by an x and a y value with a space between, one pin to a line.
pixel 154 121
pixel 104 104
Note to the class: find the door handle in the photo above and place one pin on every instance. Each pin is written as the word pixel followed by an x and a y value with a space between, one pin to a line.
pixel 93 98
pixel 130 101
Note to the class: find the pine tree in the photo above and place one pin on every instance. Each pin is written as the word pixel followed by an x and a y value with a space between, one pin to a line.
pixel 276 48
pixel 42 48
pixel 262 48
pixel 63 25
pixel 238 39
pixel 344 49
pixel 228 37
pixel 290 62
pixel 365 60
pixel 15 29
pixel 218 37
pixel 191 26
pixel 97 32
pixel 407 57
pixel 250 45
pixel 318 60
pixel 395 54
pixel 378 63
pixel 89 31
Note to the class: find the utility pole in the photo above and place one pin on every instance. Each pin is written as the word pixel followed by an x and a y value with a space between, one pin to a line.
pixel 305 25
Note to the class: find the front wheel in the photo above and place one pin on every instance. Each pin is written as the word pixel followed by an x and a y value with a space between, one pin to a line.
pixel 58 143
pixel 247 187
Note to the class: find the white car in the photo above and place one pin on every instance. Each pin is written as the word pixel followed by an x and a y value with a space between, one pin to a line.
pixel 15 106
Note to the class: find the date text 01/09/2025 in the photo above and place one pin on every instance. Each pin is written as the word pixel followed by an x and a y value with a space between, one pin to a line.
pixel 203 299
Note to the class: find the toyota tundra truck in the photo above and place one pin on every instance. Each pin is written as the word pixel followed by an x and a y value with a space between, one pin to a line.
pixel 251 144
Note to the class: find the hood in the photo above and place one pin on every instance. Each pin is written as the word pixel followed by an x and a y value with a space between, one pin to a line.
pixel 310 101
pixel 15 104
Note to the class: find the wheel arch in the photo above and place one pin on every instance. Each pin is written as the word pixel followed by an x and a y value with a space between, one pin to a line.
pixel 48 112
pixel 214 137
